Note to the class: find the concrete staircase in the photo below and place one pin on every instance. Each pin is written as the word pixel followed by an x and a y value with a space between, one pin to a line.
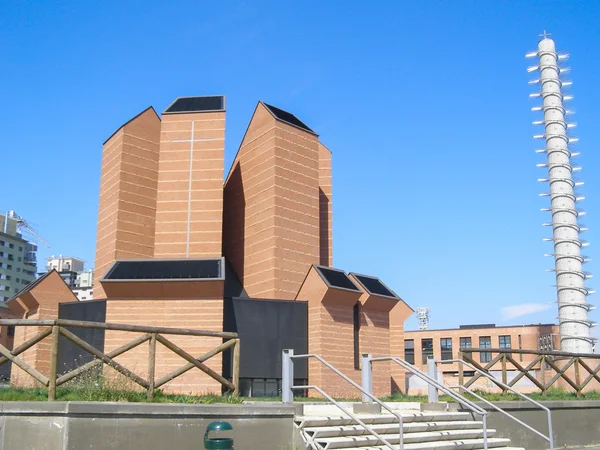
pixel 422 431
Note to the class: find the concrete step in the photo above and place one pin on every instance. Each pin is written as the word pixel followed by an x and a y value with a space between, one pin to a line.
pixel 431 437
pixel 466 444
pixel 327 409
pixel 391 428
pixel 323 421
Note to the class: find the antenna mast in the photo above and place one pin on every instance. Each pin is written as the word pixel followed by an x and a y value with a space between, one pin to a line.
pixel 570 277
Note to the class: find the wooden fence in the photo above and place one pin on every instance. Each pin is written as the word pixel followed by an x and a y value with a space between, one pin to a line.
pixel 557 363
pixel 151 334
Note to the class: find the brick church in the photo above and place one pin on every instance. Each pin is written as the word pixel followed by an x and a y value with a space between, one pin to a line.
pixel 178 247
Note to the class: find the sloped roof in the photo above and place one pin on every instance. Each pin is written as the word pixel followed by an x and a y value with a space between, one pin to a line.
pixel 287 117
pixel 209 103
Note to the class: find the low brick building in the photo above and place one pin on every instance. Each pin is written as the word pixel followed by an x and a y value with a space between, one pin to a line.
pixel 445 344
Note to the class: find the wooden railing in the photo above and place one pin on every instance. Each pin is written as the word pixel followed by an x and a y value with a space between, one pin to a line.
pixel 58 327
pixel 558 363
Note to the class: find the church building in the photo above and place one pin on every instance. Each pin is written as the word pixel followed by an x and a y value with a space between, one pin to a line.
pixel 181 243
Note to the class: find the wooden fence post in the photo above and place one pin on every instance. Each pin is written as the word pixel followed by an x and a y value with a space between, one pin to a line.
pixel 53 364
pixel 543 374
pixel 577 378
pixel 236 368
pixel 504 373
pixel 151 366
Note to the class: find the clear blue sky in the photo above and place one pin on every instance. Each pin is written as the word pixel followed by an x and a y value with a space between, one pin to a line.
pixel 424 105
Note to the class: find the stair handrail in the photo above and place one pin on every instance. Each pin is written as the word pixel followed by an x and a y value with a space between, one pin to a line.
pixel 288 372
pixel 351 415
pixel 549 438
pixel 429 380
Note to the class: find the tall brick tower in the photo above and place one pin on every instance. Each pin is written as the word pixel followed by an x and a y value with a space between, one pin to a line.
pixel 273 218
pixel 127 205
pixel 325 207
pixel 189 211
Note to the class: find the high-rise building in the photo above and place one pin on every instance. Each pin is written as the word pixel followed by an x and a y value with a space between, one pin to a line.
pixel 68 268
pixel 84 285
pixel 64 263
pixel 17 258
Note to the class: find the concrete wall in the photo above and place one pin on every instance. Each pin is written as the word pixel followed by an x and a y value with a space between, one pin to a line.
pixel 116 426
pixel 575 424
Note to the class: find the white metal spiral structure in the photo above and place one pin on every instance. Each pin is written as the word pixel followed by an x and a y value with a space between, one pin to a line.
pixel 570 278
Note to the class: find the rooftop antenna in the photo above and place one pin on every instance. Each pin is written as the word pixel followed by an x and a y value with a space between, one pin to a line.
pixel 568 261
pixel 423 316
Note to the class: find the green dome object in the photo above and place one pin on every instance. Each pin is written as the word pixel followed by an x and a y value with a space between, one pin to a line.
pixel 218 443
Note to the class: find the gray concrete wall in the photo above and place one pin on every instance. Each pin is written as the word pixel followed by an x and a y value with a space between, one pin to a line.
pixel 576 424
pixel 140 426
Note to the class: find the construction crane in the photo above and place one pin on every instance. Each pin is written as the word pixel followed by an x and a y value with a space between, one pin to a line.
pixel 23 225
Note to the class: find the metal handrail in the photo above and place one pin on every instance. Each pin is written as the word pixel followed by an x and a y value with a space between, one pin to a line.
pixel 360 388
pixel 459 398
pixel 351 415
pixel 549 438
pixel 500 410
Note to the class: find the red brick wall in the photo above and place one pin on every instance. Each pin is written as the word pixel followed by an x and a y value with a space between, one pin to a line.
pixel 206 186
pixel 375 339
pixel 249 202
pixel 271 220
pixel 325 207
pixel 205 314
pixel 40 302
pixel 127 205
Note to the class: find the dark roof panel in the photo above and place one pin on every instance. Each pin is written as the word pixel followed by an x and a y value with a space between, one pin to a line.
pixel 336 278
pixel 287 117
pixel 196 104
pixel 177 269
pixel 374 286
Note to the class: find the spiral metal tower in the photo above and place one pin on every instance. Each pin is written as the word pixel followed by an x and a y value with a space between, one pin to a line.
pixel 572 294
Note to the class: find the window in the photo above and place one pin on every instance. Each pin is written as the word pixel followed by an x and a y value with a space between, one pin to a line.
pixel 9 267
pixel 20 249
pixel 356 323
pixel 20 259
pixel 409 350
pixel 11 245
pixel 18 280
pixel 485 342
pixel 504 342
pixel 18 269
pixel 426 349
pixel 465 342
pixel 11 257
pixel 446 345
pixel 8 277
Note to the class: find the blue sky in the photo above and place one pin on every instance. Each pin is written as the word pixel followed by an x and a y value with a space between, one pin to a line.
pixel 424 105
